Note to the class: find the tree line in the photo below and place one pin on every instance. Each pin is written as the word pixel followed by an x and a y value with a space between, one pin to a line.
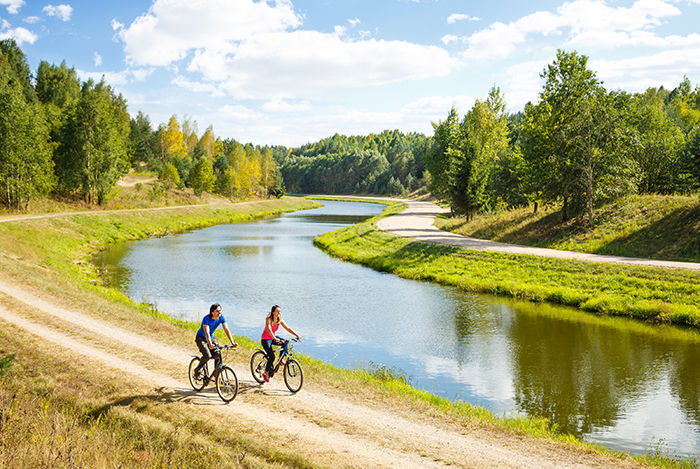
pixel 387 163
pixel 62 136
pixel 579 145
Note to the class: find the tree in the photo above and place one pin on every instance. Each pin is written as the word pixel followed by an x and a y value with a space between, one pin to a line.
pixel 170 177
pixel 202 176
pixel 691 155
pixel 437 160
pixel 173 143
pixel 26 168
pixel 468 176
pixel 142 140
pixel 57 88
pixel 92 153
pixel 18 68
pixel 267 170
pixel 487 125
pixel 656 148
pixel 573 138
pixel 58 85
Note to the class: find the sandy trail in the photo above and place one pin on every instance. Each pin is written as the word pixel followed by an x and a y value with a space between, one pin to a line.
pixel 359 436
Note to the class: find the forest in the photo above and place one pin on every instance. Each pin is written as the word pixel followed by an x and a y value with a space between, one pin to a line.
pixel 579 145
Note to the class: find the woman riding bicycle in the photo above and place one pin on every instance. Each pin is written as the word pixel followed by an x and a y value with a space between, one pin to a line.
pixel 272 322
pixel 205 336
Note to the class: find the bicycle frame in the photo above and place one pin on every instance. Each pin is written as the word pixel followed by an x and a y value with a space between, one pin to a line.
pixel 286 349
pixel 223 375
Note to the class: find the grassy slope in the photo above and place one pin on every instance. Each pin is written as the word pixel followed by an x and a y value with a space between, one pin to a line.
pixel 648 227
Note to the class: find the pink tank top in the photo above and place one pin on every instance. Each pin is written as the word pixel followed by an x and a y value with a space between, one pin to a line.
pixel 266 335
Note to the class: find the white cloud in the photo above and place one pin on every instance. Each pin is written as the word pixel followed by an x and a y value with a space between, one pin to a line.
pixel 281 106
pixel 13 6
pixel 229 111
pixel 454 17
pixel 636 74
pixel 98 59
pixel 116 78
pixel 20 35
pixel 63 12
pixel 354 22
pixel 116 25
pixel 172 28
pixel 183 82
pixel 31 19
pixel 254 50
pixel 450 38
pixel 589 23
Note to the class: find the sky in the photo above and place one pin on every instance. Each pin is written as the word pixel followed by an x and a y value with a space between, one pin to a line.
pixel 290 72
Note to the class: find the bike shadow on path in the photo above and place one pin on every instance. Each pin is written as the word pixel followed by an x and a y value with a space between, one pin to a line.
pixel 207 396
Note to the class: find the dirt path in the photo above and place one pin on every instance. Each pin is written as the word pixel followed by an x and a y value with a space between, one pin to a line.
pixel 349 434
pixel 417 222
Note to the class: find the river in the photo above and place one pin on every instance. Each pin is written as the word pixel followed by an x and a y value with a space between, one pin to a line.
pixel 624 384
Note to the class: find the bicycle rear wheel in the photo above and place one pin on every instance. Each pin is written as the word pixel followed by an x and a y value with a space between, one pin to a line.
pixel 227 384
pixel 258 362
pixel 293 375
pixel 197 384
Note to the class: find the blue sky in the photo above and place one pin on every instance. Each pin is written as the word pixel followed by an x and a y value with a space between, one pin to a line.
pixel 288 72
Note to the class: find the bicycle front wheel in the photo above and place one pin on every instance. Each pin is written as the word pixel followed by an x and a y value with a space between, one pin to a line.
pixel 227 384
pixel 293 375
pixel 197 384
pixel 258 362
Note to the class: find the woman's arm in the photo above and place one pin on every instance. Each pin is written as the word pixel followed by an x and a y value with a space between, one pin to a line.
pixel 289 329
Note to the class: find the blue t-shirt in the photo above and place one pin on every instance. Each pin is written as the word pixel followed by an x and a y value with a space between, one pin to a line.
pixel 212 323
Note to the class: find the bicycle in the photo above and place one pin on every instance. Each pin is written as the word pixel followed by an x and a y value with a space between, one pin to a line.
pixel 224 376
pixel 293 374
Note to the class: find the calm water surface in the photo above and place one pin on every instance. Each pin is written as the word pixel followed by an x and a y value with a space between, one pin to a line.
pixel 621 383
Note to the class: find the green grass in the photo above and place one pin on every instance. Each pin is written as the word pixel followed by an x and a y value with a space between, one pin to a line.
pixel 652 294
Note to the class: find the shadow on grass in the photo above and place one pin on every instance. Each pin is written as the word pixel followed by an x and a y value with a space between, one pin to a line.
pixel 675 237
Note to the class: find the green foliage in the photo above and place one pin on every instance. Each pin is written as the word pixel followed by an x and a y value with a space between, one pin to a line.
pixel 446 142
pixel 13 56
pixel 656 149
pixel 691 156
pixel 467 178
pixel 26 168
pixel 92 154
pixel 170 177
pixel 201 178
pixel 356 164
pixel 57 85
pixel 574 139
pixel 5 363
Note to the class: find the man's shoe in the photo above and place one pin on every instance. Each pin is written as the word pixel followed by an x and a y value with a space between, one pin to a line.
pixel 266 377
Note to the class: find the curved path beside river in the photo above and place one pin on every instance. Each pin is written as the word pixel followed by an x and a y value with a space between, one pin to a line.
pixel 417 222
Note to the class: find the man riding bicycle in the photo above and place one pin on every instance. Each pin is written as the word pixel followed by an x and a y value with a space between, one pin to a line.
pixel 205 340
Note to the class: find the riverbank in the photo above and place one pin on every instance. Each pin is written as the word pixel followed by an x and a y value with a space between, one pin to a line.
pixel 104 378
pixel 669 296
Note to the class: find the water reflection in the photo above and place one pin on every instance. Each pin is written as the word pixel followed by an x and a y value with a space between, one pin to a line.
pixel 612 380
